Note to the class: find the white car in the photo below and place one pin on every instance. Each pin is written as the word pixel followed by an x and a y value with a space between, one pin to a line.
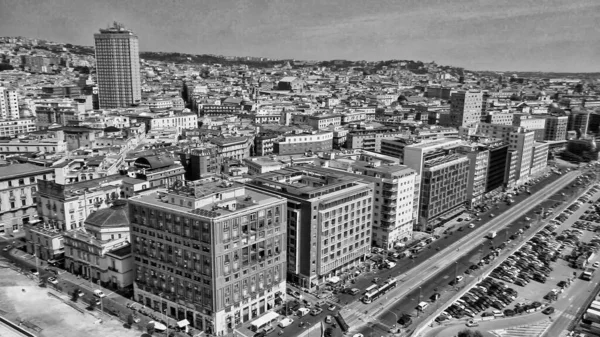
pixel 52 280
pixel 472 225
pixel 285 322
pixel 99 293
pixel 596 264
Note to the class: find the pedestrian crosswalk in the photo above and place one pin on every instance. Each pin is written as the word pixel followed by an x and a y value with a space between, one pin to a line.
pixel 530 330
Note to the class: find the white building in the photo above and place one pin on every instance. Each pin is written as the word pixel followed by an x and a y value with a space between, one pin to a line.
pixel 9 103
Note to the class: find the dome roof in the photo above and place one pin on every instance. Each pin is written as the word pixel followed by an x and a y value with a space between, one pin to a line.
pixel 115 216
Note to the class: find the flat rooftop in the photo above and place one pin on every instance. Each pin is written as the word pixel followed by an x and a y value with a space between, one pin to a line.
pixel 20 170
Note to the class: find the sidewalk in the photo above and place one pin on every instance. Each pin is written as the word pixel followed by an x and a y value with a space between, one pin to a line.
pixel 113 305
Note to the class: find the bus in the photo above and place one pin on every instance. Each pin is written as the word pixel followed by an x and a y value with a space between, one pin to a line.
pixel 370 297
pixel 269 319
pixel 390 284
pixel 371 288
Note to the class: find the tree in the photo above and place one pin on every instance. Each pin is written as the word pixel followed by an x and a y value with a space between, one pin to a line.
pixel 75 295
pixel 130 320
pixel 470 333
pixel 150 328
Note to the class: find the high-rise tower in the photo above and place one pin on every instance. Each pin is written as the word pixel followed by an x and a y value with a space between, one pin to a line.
pixel 117 67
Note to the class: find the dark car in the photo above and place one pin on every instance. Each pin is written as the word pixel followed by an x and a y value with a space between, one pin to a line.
pixel 434 297
pixel 405 321
pixel 548 311
pixel 328 332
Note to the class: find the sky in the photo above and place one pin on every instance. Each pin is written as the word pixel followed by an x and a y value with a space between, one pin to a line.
pixel 503 35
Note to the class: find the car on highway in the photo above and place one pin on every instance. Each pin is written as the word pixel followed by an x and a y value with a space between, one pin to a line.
pixel 7 248
pixel 99 293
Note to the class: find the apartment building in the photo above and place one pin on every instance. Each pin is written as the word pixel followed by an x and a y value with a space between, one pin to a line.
pixel 537 125
pixel 17 146
pixel 18 199
pixel 329 221
pixel 370 139
pixel 465 108
pixel 117 67
pixel 213 253
pixel 443 192
pixel 17 127
pixel 395 196
pixel 45 243
pixel 87 248
pixel 479 157
pixel 539 158
pixel 306 142
pixel 318 122
pixel 503 118
pixel 170 120
pixel 519 139
pixel 65 207
pixel 9 103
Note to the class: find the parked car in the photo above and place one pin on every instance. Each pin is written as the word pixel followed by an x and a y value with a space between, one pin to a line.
pixel 285 322
pixel 99 293
pixel 7 248
pixel 548 311
pixel 52 280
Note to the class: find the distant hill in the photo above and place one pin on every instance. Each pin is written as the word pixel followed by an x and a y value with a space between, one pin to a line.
pixel 416 67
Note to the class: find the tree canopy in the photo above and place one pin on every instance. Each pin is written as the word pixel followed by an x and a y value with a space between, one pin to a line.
pixel 470 333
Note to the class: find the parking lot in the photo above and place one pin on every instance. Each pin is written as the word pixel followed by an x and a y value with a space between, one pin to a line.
pixel 533 278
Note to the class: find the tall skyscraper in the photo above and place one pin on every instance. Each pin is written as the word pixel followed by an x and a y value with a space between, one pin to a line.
pixel 9 103
pixel 117 67
pixel 465 108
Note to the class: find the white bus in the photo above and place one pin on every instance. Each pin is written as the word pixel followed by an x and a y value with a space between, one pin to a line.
pixel 371 288
pixel 370 297
pixel 269 319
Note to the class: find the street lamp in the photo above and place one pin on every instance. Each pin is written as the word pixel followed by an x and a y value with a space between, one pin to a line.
pixel 420 301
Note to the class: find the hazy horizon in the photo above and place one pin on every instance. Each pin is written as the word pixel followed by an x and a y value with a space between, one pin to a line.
pixel 497 35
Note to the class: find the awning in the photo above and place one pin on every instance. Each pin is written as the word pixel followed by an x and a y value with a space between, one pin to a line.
pixel 183 323
pixel 334 280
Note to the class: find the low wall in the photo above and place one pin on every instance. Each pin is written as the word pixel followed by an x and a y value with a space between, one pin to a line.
pixel 16 327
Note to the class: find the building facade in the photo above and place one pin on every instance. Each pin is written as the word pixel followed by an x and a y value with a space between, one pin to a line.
pixel 213 253
pixel 370 140
pixel 313 142
pixel 117 67
pixel 18 195
pixel 556 128
pixel 443 191
pixel 9 103
pixel 465 108
pixel 329 221
pixel 86 248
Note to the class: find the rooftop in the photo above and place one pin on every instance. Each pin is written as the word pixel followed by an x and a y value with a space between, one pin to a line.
pixel 22 170
pixel 211 198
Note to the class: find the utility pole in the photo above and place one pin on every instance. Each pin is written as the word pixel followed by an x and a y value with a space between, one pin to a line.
pixel 420 300
pixel 455 275
pixel 37 265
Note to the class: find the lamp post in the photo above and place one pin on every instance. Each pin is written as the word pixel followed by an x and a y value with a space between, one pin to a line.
pixel 37 265
pixel 420 301
pixel 455 275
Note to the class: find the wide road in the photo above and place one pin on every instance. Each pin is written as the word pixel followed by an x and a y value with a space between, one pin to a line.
pixel 436 272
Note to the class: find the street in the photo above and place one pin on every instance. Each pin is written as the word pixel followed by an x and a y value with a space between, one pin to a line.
pixel 438 272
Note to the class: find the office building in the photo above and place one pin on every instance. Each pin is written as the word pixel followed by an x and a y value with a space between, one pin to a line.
pixel 212 253
pixel 465 108
pixel 9 103
pixel 321 141
pixel 18 197
pixel 579 121
pixel 443 192
pixel 556 127
pixel 497 165
pixel 395 196
pixel 416 154
pixel 329 221
pixel 529 122
pixel 117 67
pixel 370 140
